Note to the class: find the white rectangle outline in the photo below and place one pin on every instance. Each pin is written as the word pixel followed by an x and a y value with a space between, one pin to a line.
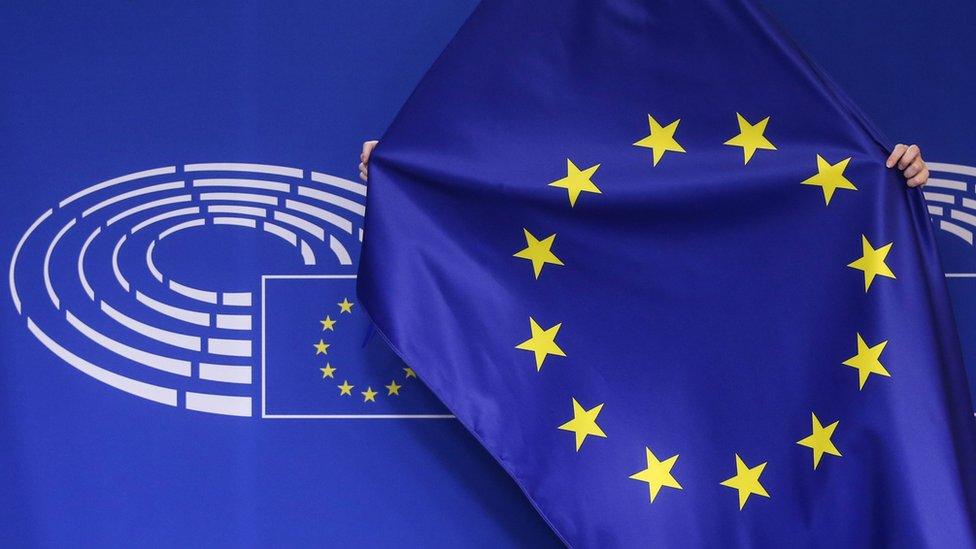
pixel 264 384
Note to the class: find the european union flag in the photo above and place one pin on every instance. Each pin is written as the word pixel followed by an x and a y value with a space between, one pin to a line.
pixel 651 257
pixel 322 360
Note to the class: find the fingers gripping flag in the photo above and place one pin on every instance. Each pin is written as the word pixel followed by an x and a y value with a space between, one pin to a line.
pixel 652 259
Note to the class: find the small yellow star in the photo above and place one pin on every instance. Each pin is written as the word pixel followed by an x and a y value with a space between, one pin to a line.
pixel 661 139
pixel 327 371
pixel 393 388
pixel 409 373
pixel 819 440
pixel 830 177
pixel 872 262
pixel 345 306
pixel 746 481
pixel 542 343
pixel 751 137
pixel 369 395
pixel 584 423
pixel 345 388
pixel 867 361
pixel 321 348
pixel 328 323
pixel 577 181
pixel 539 252
pixel 657 474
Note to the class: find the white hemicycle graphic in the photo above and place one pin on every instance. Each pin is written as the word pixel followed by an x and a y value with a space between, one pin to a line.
pixel 148 333
pixel 951 197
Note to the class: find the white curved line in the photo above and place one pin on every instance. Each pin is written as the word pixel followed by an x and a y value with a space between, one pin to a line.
pixel 229 347
pixel 324 215
pixel 81 264
pixel 282 232
pixel 193 293
pixel 243 210
pixel 969 203
pixel 166 364
pixel 219 404
pixel 13 260
pixel 181 226
pixel 241 197
pixel 360 235
pixel 130 194
pixel 149 262
pixel 951 168
pixel 308 256
pixel 115 264
pixel 329 198
pixel 935 210
pixel 940 197
pixel 147 206
pixel 956 230
pixel 307 226
pixel 340 251
pixel 243 167
pixel 164 215
pixel 946 184
pixel 154 393
pixel 234 322
pixel 186 315
pixel 272 186
pixel 116 181
pixel 239 299
pixel 350 186
pixel 47 264
pixel 240 222
pixel 225 372
pixel 175 339
pixel 969 219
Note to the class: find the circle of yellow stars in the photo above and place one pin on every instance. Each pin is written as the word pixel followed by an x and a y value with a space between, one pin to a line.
pixel 661 139
pixel 328 371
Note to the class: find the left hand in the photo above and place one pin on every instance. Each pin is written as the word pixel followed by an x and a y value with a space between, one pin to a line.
pixel 908 158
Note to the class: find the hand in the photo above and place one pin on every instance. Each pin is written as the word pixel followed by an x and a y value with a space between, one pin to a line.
pixel 368 147
pixel 909 161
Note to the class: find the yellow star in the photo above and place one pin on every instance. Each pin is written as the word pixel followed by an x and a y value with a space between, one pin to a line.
pixel 577 181
pixel 661 139
pixel 345 388
pixel 751 137
pixel 538 252
pixel 819 440
pixel 409 373
pixel 328 323
pixel 867 361
pixel 327 371
pixel 321 348
pixel 872 262
pixel 658 474
pixel 584 423
pixel 393 388
pixel 369 395
pixel 542 343
pixel 746 481
pixel 830 177
pixel 345 306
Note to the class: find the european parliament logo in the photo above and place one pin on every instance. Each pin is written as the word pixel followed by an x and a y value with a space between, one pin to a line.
pixel 168 284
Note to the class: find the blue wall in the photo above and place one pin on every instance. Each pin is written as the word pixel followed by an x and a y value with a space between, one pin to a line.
pixel 94 91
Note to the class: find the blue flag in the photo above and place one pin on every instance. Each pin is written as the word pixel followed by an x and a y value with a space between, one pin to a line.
pixel 652 259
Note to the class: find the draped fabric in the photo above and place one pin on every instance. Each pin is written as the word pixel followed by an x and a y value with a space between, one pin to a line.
pixel 652 259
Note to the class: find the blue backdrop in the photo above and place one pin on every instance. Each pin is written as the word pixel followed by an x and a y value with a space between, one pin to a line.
pixel 92 93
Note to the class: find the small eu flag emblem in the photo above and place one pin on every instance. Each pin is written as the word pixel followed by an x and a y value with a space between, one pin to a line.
pixel 322 358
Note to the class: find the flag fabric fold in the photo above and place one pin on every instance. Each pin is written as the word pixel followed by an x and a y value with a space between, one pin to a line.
pixel 652 259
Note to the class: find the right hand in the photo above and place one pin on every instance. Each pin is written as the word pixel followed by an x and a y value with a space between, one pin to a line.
pixel 368 147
